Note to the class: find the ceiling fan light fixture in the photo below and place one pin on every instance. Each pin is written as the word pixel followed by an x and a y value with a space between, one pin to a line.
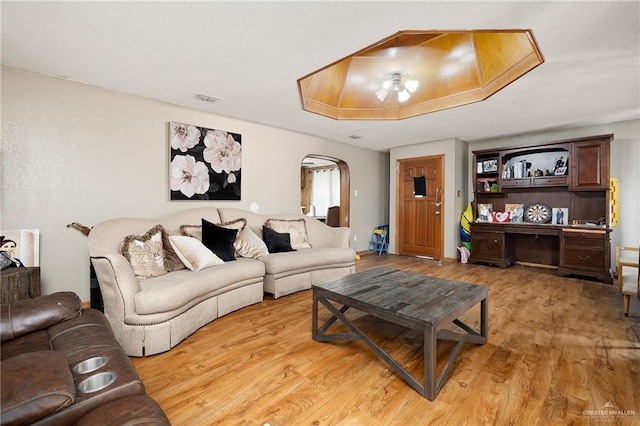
pixel 403 95
pixel 382 94
pixel 466 66
pixel 412 85
pixel 394 82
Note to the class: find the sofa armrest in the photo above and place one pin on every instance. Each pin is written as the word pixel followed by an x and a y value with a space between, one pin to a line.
pixel 118 285
pixel 29 315
pixel 341 237
pixel 321 235
pixel 35 385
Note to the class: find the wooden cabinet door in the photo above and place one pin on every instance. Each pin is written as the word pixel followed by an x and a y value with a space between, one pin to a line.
pixel 589 162
pixel 488 245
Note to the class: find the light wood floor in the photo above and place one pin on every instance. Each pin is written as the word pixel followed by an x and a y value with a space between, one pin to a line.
pixel 560 352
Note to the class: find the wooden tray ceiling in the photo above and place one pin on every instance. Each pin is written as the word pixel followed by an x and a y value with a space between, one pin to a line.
pixel 453 68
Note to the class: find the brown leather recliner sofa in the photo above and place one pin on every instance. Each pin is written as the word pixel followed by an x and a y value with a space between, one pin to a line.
pixel 61 364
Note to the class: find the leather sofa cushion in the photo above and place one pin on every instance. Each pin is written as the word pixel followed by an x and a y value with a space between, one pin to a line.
pixel 34 385
pixel 25 316
pixel 32 342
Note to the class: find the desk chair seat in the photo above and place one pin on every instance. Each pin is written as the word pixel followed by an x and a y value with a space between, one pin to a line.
pixel 627 267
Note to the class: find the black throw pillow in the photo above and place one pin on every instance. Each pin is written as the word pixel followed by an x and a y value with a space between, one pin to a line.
pixel 276 242
pixel 219 240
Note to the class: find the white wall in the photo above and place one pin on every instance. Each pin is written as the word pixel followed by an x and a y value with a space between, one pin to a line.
pixel 78 153
pixel 455 179
pixel 625 165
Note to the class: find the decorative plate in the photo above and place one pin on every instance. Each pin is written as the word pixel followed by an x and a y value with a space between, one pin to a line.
pixel 537 213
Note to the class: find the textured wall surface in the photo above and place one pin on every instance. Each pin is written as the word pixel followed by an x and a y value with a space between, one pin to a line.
pixel 77 153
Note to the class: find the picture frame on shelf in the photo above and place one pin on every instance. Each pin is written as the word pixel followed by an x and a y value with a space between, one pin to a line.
pixel 560 171
pixel 560 168
pixel 485 213
pixel 501 217
pixel 479 167
pixel 22 246
pixel 490 166
pixel 560 216
pixel 516 212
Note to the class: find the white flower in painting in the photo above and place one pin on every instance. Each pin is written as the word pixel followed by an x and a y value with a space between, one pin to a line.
pixel 183 136
pixel 231 178
pixel 188 176
pixel 222 152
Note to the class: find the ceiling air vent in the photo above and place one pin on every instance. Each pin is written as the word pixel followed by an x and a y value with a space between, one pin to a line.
pixel 207 98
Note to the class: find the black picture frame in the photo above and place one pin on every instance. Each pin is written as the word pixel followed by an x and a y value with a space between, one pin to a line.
pixel 489 166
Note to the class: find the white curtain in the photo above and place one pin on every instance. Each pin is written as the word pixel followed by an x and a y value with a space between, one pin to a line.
pixel 325 191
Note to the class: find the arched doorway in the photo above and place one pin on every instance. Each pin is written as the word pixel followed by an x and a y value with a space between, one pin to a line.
pixel 313 161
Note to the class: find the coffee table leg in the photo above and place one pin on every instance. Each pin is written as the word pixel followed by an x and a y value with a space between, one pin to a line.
pixel 314 318
pixel 484 317
pixel 430 349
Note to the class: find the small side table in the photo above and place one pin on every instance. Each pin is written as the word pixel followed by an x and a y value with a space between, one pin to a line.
pixel 20 283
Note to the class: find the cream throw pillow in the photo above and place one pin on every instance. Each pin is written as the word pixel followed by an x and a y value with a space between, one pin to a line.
pixel 193 253
pixel 296 228
pixel 248 244
pixel 145 254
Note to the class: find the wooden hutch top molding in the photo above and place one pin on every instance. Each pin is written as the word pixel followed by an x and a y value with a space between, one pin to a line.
pixel 566 142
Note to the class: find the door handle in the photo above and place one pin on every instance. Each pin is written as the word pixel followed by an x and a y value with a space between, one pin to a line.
pixel 437 203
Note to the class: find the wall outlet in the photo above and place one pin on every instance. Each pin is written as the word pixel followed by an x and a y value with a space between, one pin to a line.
pixel 355 238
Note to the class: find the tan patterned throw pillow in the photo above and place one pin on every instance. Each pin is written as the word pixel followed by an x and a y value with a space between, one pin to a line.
pixel 145 253
pixel 296 228
pixel 194 231
pixel 238 224
pixel 172 261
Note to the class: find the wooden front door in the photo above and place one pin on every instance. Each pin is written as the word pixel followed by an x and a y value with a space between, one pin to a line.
pixel 420 231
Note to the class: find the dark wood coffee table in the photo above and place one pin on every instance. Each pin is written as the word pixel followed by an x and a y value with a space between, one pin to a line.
pixel 415 301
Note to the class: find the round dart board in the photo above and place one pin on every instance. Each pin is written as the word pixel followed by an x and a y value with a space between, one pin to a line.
pixel 537 213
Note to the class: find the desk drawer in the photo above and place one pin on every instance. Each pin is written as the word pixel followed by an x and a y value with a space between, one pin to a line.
pixel 584 258
pixel 576 233
pixel 516 183
pixel 584 242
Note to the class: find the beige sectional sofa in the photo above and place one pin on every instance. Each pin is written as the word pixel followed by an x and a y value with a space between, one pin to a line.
pixel 153 315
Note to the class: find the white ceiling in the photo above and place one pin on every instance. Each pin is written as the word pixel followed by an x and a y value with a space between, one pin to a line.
pixel 250 54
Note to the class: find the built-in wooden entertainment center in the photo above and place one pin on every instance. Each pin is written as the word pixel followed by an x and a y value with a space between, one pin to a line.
pixel 546 204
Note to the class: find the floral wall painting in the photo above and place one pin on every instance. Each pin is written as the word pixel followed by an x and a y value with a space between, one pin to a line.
pixel 205 164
